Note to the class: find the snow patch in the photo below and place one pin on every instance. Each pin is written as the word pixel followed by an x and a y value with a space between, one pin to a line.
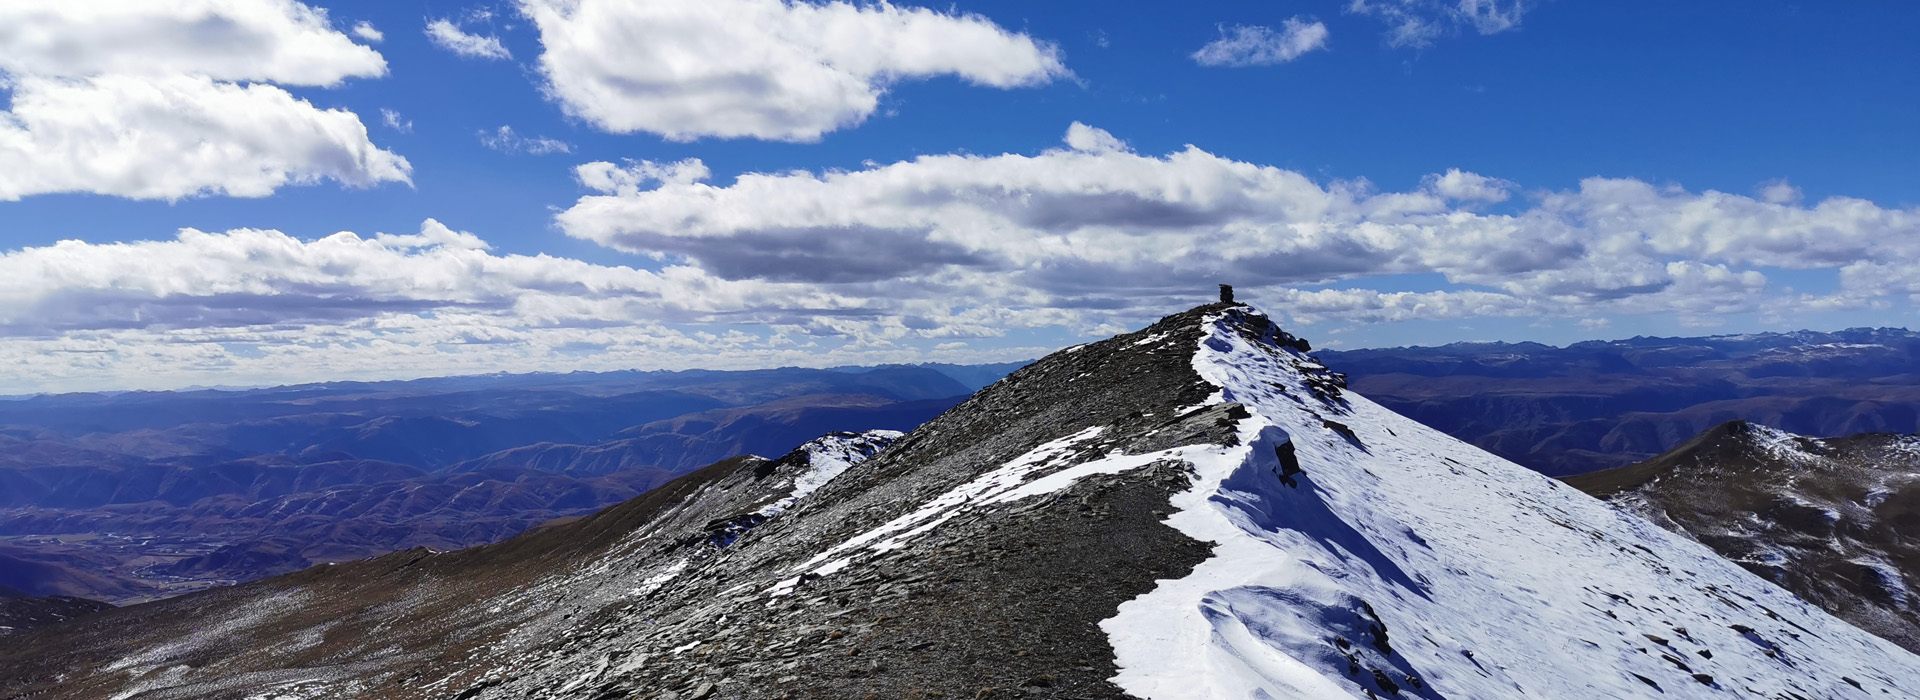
pixel 1010 482
pixel 654 582
pixel 1780 444
pixel 828 457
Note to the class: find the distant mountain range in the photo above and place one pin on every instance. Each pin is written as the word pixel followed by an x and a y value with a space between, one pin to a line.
pixel 1603 404
pixel 129 496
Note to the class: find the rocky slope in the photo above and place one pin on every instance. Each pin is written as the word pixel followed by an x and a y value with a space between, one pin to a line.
pixel 1195 510
pixel 1829 519
pixel 20 612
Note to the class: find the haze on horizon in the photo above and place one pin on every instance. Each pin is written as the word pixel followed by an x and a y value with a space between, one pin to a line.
pixel 254 192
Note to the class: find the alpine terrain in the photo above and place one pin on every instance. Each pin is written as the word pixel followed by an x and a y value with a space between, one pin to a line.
pixel 1830 519
pixel 1195 510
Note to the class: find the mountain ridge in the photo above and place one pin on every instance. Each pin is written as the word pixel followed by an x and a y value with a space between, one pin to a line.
pixel 1195 510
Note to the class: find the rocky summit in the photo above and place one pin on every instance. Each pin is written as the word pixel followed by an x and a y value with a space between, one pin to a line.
pixel 1195 510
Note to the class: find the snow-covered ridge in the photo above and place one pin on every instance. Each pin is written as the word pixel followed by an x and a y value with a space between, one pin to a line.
pixel 827 457
pixel 808 467
pixel 1361 554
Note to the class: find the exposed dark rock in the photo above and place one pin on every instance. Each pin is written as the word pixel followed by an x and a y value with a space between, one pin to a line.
pixel 1385 684
pixel 1289 464
pixel 1343 431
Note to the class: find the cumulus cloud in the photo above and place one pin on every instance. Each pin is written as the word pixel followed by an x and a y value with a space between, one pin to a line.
pixel 278 41
pixel 146 99
pixel 173 137
pixel 1261 46
pixel 259 306
pixel 365 30
pixel 247 277
pixel 1097 228
pixel 627 180
pixel 1780 192
pixel 1464 186
pixel 447 35
pixel 1417 23
pixel 921 259
pixel 1081 137
pixel 767 69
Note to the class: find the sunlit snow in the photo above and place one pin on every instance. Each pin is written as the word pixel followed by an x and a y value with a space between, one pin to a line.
pixel 1407 562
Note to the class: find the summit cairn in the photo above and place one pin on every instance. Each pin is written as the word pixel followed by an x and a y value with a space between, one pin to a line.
pixel 1226 294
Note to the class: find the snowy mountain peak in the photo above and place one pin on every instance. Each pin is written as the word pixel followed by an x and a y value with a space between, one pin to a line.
pixel 1199 509
pixel 1373 556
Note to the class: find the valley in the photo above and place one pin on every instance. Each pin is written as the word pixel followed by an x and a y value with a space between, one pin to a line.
pixel 1601 404
pixel 132 497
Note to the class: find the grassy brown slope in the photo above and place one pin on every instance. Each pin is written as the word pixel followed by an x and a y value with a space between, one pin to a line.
pixel 413 601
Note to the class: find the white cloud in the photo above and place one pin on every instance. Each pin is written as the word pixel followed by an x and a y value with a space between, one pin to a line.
pixel 1417 23
pixel 1097 227
pixel 276 41
pixel 1081 137
pixel 938 257
pixel 174 137
pixel 505 140
pixel 365 30
pixel 143 99
pixel 1780 192
pixel 258 306
pixel 1465 186
pixel 1261 46
pixel 394 121
pixel 765 69
pixel 247 276
pixel 608 178
pixel 1371 306
pixel 447 35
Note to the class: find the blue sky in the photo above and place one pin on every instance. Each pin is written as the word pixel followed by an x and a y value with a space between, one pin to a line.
pixel 1801 115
